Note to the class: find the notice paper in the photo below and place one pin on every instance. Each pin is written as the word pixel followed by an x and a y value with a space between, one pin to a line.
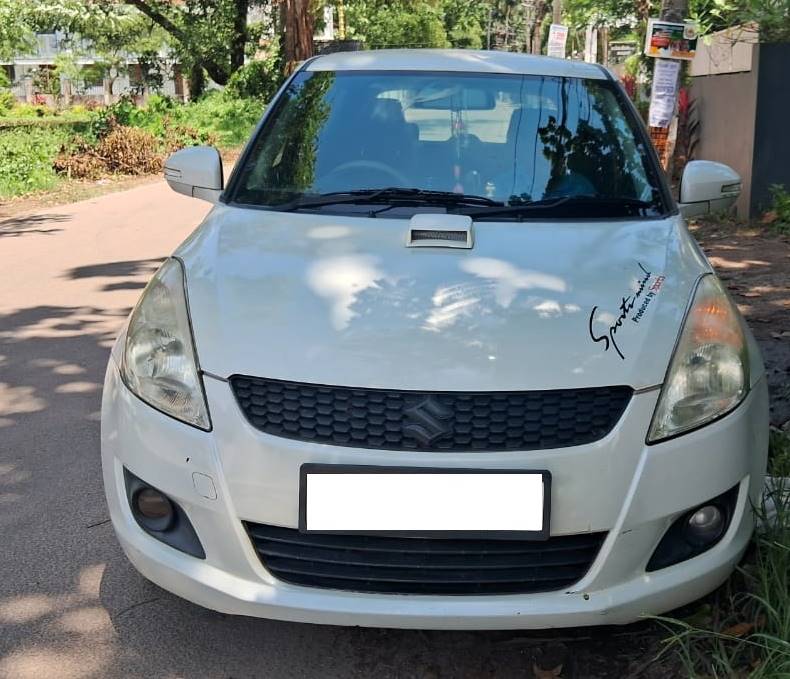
pixel 558 36
pixel 662 98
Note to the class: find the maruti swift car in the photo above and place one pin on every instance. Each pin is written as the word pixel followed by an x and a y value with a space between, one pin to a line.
pixel 442 355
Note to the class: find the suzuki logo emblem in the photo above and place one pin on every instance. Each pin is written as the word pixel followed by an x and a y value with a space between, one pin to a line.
pixel 427 421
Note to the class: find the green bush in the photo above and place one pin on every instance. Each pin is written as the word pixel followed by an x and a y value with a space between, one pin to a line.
pixel 26 156
pixel 780 207
pixel 24 110
pixel 231 121
pixel 7 101
pixel 256 80
pixel 216 118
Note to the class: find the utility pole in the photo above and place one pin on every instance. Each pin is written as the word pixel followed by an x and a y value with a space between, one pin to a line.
pixel 664 138
pixel 556 11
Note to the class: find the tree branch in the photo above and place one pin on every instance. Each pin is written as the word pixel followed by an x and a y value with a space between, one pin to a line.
pixel 216 71
pixel 158 18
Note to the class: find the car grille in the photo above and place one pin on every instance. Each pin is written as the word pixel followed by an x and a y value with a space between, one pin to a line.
pixel 441 421
pixel 392 565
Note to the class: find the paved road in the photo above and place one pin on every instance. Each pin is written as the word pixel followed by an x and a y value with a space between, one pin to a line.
pixel 70 604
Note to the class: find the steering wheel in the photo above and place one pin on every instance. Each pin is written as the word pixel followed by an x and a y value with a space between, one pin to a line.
pixel 397 179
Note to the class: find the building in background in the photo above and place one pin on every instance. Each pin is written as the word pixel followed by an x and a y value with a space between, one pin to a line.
pixel 30 81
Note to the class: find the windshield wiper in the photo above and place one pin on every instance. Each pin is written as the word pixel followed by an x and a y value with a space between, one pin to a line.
pixel 394 193
pixel 549 203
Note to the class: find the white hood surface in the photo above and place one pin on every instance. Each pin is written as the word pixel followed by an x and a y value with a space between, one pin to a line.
pixel 341 300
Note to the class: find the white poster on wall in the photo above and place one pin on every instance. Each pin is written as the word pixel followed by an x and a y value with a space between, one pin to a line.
pixel 662 98
pixel 558 36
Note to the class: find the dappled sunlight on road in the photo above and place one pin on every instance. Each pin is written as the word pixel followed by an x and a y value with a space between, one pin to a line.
pixel 15 400
pixel 60 620
pixel 63 300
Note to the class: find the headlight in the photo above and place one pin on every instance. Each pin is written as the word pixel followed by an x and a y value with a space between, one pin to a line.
pixel 159 363
pixel 709 372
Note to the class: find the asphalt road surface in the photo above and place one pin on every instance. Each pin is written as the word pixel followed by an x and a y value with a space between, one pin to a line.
pixel 70 603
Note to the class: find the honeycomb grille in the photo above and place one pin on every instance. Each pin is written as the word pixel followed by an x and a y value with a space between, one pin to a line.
pixel 440 421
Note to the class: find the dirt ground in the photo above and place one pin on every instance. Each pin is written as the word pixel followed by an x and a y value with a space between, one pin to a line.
pixel 754 262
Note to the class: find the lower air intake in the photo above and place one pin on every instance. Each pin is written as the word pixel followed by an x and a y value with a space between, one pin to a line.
pixel 424 565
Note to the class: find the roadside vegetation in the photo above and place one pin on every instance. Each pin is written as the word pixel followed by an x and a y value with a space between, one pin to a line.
pixel 778 216
pixel 40 146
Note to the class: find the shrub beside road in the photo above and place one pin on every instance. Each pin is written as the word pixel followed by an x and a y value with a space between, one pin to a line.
pixel 42 148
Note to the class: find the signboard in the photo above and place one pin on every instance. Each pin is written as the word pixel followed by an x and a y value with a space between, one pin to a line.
pixel 671 40
pixel 662 97
pixel 620 51
pixel 558 36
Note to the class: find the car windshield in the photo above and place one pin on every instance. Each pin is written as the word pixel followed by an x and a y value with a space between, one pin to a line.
pixel 512 139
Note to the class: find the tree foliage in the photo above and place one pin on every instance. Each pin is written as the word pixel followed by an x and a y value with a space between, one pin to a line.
pixel 396 24
pixel 206 34
pixel 16 35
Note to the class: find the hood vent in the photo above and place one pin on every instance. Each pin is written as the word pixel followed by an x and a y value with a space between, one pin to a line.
pixel 440 231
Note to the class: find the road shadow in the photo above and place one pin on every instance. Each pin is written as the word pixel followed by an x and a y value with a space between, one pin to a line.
pixel 136 273
pixel 52 360
pixel 14 227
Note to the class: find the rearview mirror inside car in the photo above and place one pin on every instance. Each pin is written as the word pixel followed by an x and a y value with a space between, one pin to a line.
pixel 707 187
pixel 196 171
pixel 436 96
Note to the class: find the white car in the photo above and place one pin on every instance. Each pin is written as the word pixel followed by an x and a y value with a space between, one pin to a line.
pixel 442 355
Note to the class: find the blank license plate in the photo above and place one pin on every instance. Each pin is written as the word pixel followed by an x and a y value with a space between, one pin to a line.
pixel 422 501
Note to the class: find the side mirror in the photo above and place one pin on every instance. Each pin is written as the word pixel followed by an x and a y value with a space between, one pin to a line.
pixel 707 187
pixel 196 171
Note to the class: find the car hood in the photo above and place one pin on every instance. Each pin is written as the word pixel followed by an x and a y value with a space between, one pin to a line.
pixel 341 300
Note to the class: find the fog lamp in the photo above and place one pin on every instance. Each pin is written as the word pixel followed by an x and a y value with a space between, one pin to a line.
pixel 154 508
pixel 705 525
pixel 695 530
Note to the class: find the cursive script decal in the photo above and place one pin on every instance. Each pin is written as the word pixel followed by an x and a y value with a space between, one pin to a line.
pixel 626 305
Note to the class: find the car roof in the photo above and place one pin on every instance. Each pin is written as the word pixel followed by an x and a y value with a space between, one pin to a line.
pixel 468 61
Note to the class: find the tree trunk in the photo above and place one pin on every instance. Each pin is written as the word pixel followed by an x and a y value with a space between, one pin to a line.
pixel 664 137
pixel 541 10
pixel 197 82
pixel 108 81
pixel 298 25
pixel 239 40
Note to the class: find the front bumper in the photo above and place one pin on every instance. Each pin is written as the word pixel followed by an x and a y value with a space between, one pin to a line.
pixel 618 485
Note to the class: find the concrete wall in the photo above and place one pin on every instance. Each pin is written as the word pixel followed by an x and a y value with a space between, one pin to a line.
pixel 727 109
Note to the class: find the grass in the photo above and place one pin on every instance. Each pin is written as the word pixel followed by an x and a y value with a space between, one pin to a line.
pixel 746 632
pixel 26 156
